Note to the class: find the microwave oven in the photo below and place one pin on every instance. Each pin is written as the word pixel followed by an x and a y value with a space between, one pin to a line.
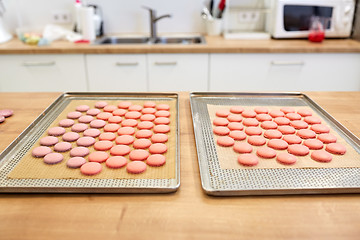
pixel 291 18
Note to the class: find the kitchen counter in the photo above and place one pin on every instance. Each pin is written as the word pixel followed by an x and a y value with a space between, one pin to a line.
pixel 213 45
pixel 186 214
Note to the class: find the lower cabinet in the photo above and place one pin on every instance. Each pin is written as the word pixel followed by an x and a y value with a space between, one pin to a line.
pixel 285 72
pixel 117 72
pixel 178 72
pixel 42 72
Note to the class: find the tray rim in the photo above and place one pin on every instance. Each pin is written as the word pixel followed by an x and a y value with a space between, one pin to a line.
pixel 58 100
pixel 208 189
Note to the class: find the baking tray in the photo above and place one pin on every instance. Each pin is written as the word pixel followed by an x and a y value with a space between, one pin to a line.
pixel 24 142
pixel 227 182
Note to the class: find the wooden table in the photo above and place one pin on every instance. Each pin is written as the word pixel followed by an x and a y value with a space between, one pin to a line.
pixel 186 214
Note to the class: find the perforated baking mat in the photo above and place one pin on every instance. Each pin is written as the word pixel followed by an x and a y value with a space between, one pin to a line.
pixel 40 177
pixel 221 179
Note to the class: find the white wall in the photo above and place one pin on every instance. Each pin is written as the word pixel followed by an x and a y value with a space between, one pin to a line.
pixel 120 16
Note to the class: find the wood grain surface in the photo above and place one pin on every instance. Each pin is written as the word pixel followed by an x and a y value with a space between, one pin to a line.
pixel 186 214
pixel 214 44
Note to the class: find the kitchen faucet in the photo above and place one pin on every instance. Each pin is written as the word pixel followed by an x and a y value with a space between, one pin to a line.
pixel 153 20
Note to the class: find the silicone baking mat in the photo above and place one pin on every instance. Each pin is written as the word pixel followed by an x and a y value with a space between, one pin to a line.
pixel 222 175
pixel 20 171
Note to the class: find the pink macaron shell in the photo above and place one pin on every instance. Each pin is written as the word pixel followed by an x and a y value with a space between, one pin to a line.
pixel 41 151
pixel 156 160
pixel 53 158
pixel 92 132
pixel 75 162
pixel 286 158
pixel 126 131
pixel 49 141
pixel 93 112
pixel 242 147
pixel 116 162
pixel 266 152
pixel 109 136
pixel 86 141
pixel 101 104
pixel 97 123
pixel 158 148
pixel 79 152
pixel 6 112
pixel 248 159
pixel 138 155
pixel 74 115
pixel 62 147
pixel 56 131
pixel 225 141
pixel 136 167
pixel 269 125
pixel 79 127
pixel 98 156
pixel 82 108
pixel 149 104
pixel 124 140
pixel 145 125
pixel 120 150
pixel 159 138
pixel 298 150
pixel 336 148
pixel 163 106
pixel 66 123
pixel 91 168
pixel 85 119
pixel 321 156
pixel 142 143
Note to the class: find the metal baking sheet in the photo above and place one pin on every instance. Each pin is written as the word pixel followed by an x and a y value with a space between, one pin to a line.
pixel 227 182
pixel 18 148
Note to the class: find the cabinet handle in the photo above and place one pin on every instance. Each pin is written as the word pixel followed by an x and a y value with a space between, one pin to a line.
pixel 127 63
pixel 34 64
pixel 165 63
pixel 287 63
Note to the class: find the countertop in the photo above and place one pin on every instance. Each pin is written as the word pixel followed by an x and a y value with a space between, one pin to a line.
pixel 214 44
pixel 187 214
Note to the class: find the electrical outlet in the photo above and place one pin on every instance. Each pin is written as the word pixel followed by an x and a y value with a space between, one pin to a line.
pixel 61 16
pixel 248 16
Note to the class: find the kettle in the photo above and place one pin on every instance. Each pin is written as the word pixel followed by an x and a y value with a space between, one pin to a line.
pixel 4 34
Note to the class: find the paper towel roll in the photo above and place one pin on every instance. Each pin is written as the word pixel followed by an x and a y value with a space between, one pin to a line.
pixel 87 23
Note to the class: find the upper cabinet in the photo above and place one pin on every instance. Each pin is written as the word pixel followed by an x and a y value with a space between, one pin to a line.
pixel 285 72
pixel 117 72
pixel 37 73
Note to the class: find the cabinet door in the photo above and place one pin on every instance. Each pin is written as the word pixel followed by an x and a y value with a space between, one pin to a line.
pixel 178 72
pixel 254 72
pixel 37 73
pixel 331 72
pixel 117 72
pixel 285 72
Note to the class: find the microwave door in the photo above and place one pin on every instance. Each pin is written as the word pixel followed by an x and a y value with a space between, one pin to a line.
pixel 297 18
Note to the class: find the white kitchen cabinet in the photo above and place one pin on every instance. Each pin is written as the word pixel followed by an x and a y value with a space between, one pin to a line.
pixel 42 72
pixel 285 72
pixel 178 72
pixel 117 72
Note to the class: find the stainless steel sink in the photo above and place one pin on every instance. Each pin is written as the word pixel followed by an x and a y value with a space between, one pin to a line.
pixel 180 40
pixel 122 40
pixel 146 40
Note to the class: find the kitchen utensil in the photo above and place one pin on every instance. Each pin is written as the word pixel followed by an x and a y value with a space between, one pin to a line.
pixel 205 14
